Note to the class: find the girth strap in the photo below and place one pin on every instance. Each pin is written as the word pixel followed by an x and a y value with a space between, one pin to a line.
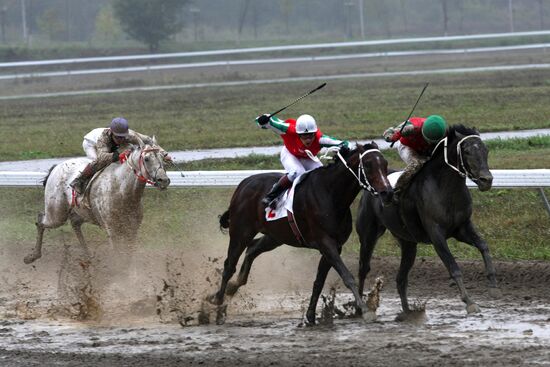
pixel 295 228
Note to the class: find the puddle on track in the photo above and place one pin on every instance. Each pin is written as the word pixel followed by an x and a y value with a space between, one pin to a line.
pixel 503 332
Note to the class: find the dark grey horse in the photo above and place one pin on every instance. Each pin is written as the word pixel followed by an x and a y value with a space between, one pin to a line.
pixel 435 206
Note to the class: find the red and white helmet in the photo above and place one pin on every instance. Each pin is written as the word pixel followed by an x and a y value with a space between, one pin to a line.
pixel 306 124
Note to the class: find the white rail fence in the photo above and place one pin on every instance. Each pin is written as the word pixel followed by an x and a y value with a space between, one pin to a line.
pixel 517 178
pixel 273 48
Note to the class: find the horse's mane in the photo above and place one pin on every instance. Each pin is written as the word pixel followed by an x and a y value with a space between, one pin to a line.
pixel 461 129
pixel 452 135
pixel 346 153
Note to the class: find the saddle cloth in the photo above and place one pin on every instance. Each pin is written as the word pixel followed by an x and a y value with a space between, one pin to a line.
pixel 393 177
pixel 283 203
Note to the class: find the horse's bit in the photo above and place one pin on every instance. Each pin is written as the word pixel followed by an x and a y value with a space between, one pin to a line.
pixel 361 171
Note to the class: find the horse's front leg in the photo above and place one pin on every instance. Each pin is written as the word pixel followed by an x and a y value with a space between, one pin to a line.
pixel 331 250
pixel 322 271
pixel 76 224
pixel 408 256
pixel 442 249
pixel 469 235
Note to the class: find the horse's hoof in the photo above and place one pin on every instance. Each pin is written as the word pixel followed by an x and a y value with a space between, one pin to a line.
pixel 369 316
pixel 309 319
pixel 412 316
pixel 495 292
pixel 30 258
pixel 473 308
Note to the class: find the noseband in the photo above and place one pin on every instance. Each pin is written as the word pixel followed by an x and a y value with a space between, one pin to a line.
pixel 361 171
pixel 460 167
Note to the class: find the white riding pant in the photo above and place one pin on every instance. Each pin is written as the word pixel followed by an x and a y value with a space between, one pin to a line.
pixel 408 154
pixel 295 166
pixel 89 149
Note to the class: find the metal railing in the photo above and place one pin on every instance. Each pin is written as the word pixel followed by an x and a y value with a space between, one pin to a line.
pixel 512 178
pixel 516 178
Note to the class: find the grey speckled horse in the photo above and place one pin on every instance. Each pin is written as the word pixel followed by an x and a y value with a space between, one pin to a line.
pixel 114 197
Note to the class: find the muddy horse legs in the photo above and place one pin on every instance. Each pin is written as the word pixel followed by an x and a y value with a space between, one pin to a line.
pixel 469 235
pixel 258 247
pixel 440 246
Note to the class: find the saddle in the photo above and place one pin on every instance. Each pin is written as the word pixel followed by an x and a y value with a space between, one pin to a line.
pixel 84 198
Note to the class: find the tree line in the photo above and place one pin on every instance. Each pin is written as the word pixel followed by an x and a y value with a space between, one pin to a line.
pixel 106 23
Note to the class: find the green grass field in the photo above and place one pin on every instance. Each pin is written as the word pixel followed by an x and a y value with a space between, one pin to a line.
pixel 514 222
pixel 223 117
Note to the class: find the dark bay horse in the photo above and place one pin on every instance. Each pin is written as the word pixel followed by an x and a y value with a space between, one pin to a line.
pixel 435 206
pixel 322 213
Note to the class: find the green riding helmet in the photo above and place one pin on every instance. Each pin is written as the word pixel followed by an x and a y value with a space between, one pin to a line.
pixel 434 128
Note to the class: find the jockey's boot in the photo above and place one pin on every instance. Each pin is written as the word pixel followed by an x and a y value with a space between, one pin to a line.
pixel 278 188
pixel 79 183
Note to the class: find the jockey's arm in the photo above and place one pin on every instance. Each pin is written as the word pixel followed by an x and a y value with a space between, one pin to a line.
pixel 140 139
pixel 328 141
pixel 275 124
pixel 395 133
pixel 105 155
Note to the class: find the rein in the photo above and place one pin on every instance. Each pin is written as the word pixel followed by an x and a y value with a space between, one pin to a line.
pixel 361 171
pixel 141 167
pixel 460 161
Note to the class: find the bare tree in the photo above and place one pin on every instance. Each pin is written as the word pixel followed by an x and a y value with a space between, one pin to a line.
pixel 461 17
pixel 404 13
pixel 541 14
pixel 445 17
pixel 242 17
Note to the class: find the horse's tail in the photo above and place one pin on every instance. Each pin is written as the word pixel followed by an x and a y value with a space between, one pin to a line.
pixel 224 221
pixel 48 175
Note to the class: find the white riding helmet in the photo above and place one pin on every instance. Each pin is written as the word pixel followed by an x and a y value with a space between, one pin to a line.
pixel 306 124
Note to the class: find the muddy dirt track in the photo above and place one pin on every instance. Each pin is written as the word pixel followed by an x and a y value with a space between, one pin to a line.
pixel 138 320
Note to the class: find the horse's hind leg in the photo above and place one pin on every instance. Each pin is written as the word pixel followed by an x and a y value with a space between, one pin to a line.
pixel 469 235
pixel 234 252
pixel 44 221
pixel 258 247
pixel 37 251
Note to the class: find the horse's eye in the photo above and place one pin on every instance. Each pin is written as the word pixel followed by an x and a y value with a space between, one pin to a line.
pixel 146 159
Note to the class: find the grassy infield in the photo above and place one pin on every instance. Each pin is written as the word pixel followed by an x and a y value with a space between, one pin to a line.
pixel 513 221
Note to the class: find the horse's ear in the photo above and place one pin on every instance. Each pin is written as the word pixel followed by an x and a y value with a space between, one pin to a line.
pixel 154 139
pixel 374 145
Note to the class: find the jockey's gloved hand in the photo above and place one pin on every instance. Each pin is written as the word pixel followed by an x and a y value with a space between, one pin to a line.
pixel 115 156
pixel 263 119
pixel 344 143
pixel 390 135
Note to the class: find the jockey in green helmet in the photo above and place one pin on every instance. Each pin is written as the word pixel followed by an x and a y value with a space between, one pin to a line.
pixel 415 140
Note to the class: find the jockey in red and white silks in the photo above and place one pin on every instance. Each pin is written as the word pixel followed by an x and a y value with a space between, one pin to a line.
pixel 302 142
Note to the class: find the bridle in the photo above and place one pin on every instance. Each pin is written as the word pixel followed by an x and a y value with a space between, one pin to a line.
pixel 365 185
pixel 141 172
pixel 460 166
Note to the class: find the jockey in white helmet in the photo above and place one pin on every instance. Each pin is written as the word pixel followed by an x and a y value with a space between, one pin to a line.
pixel 299 137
